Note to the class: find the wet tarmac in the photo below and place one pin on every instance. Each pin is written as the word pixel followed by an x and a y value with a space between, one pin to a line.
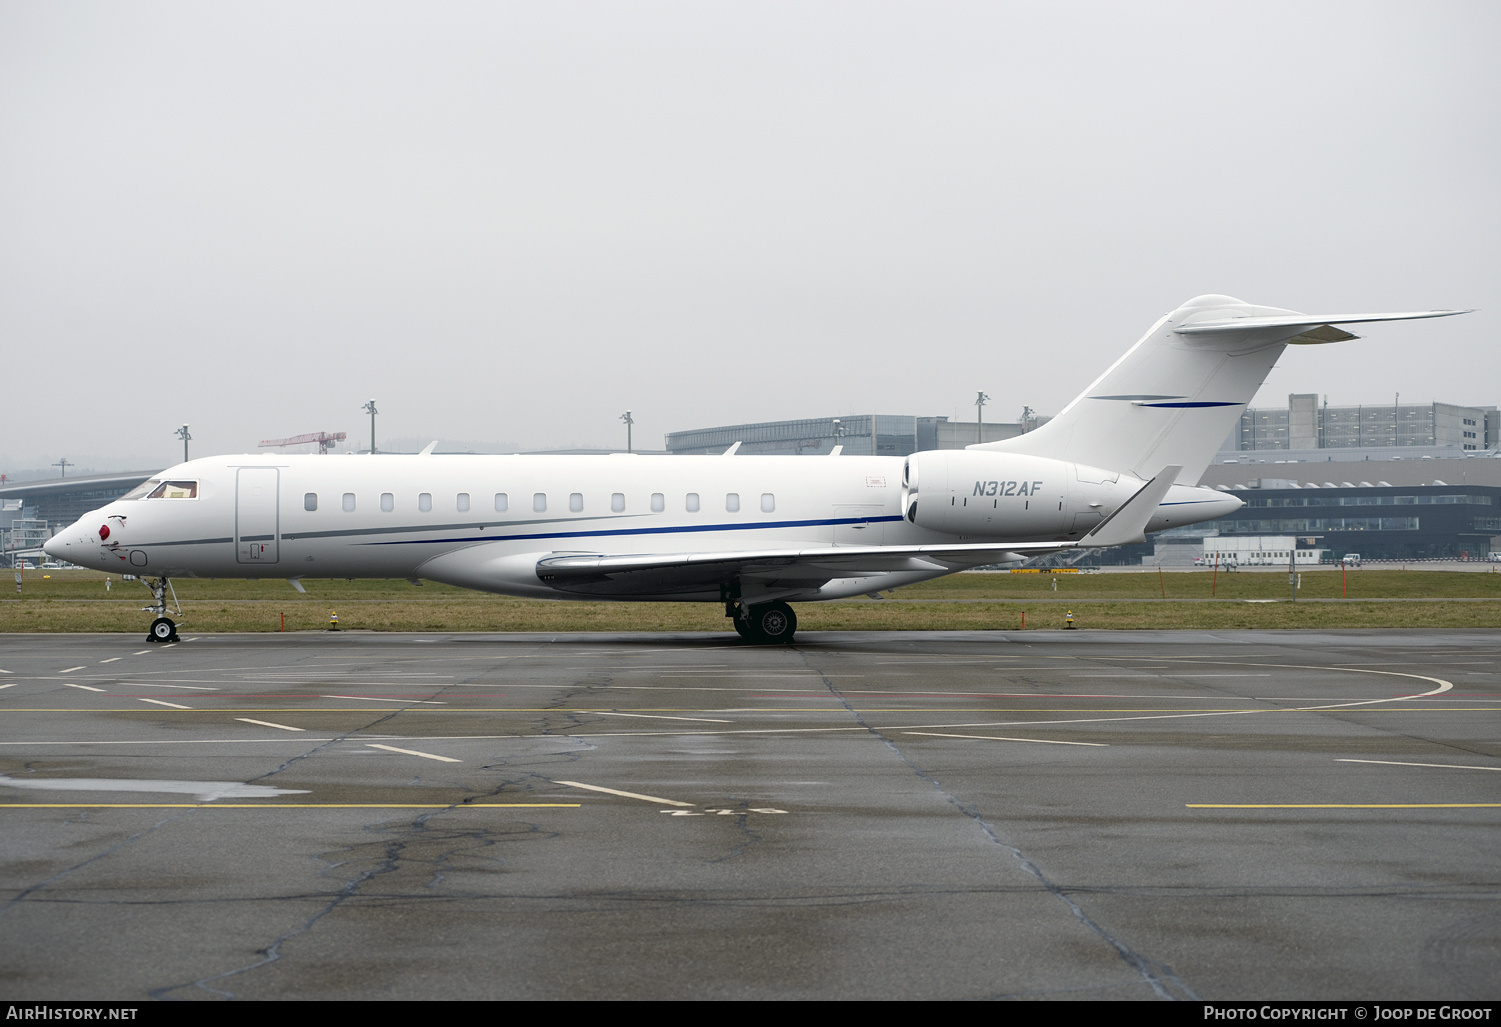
pixel 1152 815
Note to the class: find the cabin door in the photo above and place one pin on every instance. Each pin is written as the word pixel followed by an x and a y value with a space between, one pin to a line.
pixel 256 527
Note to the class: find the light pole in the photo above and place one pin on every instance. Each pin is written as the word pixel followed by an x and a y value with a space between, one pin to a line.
pixel 185 435
pixel 63 463
pixel 626 417
pixel 369 408
pixel 980 400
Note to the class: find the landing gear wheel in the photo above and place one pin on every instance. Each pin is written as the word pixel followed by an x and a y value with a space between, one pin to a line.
pixel 742 628
pixel 162 630
pixel 772 623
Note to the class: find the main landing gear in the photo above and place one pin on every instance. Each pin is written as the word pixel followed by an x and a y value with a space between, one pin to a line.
pixel 764 623
pixel 163 629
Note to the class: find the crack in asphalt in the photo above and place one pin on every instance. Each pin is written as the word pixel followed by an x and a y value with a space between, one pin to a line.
pixel 1159 977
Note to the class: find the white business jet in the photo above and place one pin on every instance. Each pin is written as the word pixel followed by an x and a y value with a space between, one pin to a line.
pixel 753 533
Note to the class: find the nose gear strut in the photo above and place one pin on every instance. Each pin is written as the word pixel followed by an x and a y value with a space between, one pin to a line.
pixel 163 629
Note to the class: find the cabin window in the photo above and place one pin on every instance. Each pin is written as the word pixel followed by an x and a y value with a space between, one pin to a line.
pixel 175 490
pixel 617 501
pixel 463 502
pixel 349 500
pixel 501 502
pixel 387 502
pixel 732 502
pixel 658 502
pixel 424 501
pixel 539 502
pixel 576 501
pixel 310 501
pixel 768 502
pixel 690 503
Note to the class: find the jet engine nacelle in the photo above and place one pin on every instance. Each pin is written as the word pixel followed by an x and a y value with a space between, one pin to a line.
pixel 985 493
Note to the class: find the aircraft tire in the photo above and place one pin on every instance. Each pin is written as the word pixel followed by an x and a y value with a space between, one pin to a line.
pixel 743 628
pixel 773 623
pixel 162 630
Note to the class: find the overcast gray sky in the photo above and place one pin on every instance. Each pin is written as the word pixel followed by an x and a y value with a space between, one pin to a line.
pixel 513 222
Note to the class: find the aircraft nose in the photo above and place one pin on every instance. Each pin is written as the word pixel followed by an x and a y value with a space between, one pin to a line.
pixel 57 546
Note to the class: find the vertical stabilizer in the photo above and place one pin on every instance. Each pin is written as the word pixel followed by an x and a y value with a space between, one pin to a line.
pixel 1177 393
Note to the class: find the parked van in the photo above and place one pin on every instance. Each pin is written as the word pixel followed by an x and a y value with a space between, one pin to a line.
pixel 1351 560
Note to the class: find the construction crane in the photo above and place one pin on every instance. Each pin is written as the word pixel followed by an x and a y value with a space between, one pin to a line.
pixel 325 440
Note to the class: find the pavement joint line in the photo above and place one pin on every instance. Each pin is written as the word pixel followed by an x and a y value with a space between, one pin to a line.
pixel 163 702
pixel 267 723
pixel 414 752
pixel 655 716
pixel 1399 763
pixel 625 795
pixel 291 805
pixel 1342 805
pixel 376 698
pixel 998 738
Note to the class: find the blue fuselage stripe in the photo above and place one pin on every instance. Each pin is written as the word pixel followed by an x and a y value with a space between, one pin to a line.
pixel 679 529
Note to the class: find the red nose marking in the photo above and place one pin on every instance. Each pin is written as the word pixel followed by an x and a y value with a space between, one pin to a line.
pixel 103 532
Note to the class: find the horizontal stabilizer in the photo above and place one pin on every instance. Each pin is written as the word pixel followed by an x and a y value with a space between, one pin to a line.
pixel 1316 328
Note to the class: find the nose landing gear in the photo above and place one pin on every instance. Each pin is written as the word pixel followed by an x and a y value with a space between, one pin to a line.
pixel 163 629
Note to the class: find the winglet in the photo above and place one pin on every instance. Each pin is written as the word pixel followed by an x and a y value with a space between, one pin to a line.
pixel 1128 523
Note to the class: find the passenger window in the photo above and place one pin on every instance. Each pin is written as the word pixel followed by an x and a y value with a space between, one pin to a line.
pixel 658 502
pixel 576 501
pixel 732 502
pixel 387 502
pixel 768 502
pixel 617 501
pixel 539 502
pixel 349 500
pixel 424 501
pixel 175 490
pixel 463 502
pixel 500 502
pixel 310 501
pixel 691 503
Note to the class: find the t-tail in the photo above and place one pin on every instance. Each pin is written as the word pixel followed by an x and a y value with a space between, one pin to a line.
pixel 1175 395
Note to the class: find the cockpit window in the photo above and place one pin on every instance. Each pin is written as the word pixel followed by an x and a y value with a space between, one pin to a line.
pixel 175 490
pixel 139 492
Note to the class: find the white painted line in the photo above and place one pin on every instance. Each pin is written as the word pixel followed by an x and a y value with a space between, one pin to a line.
pixel 998 738
pixel 1397 763
pixel 624 795
pixel 169 645
pixel 267 723
pixel 86 688
pixel 161 702
pixel 193 639
pixel 651 716
pixel 414 752
pixel 70 670
pixel 371 698
pixel 11 685
pixel 143 652
pixel 112 659
pixel 7 672
pixel 153 684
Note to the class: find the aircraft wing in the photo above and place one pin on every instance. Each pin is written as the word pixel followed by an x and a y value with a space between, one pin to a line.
pixel 801 569
pixel 763 569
